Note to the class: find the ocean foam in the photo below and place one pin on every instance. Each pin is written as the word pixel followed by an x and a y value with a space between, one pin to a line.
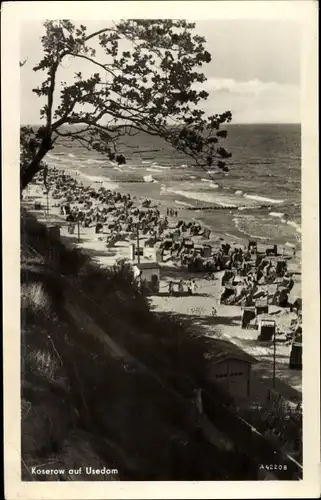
pixel 94 161
pixel 238 192
pixel 105 181
pixel 276 214
pixel 233 236
pixel 160 166
pixel 237 225
pixel 295 225
pixel 211 183
pixel 200 196
pixel 183 204
pixel 96 178
pixel 149 178
pixel 262 198
pixel 153 169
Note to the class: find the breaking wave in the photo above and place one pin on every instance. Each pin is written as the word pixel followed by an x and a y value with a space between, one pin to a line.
pixel 211 183
pixel 160 166
pixel 291 223
pixel 200 196
pixel 261 198
pixel 154 169
pixel 276 214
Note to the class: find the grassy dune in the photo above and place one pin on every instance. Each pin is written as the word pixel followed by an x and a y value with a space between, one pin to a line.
pixel 83 407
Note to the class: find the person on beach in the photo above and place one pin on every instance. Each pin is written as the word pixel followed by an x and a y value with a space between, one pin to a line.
pixel 189 287
pixel 71 227
pixel 171 288
pixel 194 287
pixel 181 287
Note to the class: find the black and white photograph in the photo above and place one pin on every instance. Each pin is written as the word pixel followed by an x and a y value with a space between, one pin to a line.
pixel 161 313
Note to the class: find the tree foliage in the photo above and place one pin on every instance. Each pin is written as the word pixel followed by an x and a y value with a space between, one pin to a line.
pixel 146 80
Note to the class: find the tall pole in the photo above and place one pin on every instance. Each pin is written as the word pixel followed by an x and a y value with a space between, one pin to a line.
pixel 78 229
pixel 47 203
pixel 138 249
pixel 274 356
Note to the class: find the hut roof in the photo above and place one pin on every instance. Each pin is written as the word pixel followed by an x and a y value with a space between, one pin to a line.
pixel 222 350
pixel 147 265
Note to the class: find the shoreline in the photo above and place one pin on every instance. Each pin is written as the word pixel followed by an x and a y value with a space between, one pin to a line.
pixel 184 208
pixel 185 202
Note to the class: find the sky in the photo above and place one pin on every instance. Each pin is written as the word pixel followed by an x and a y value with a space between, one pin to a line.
pixel 254 71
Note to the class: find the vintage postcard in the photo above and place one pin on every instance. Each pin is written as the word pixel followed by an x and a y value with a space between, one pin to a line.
pixel 160 243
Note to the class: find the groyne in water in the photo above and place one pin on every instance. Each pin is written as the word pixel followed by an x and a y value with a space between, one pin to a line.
pixel 234 207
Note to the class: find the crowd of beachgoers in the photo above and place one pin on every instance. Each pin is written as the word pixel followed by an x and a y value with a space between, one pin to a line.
pixel 120 217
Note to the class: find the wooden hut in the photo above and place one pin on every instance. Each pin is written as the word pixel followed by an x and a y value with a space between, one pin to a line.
pixel 149 275
pixel 230 367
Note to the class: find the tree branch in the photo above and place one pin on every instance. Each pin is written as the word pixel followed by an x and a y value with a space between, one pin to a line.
pixel 96 33
pixel 103 66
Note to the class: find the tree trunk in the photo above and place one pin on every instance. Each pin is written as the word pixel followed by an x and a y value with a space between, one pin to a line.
pixel 28 173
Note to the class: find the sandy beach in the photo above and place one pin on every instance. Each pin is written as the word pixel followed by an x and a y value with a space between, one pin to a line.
pixel 224 321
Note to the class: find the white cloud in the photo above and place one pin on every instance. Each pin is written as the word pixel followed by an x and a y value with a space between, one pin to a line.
pixel 250 87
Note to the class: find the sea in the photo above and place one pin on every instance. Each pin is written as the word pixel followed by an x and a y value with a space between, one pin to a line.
pixel 260 196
